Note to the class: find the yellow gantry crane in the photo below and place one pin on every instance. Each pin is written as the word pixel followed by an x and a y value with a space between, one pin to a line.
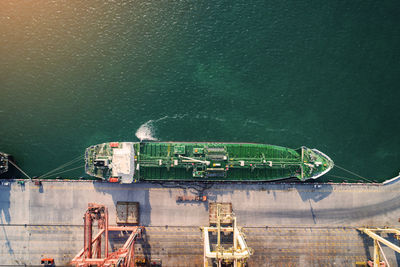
pixel 236 255
pixel 372 232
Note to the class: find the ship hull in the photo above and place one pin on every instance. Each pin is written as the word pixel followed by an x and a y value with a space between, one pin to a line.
pixel 203 162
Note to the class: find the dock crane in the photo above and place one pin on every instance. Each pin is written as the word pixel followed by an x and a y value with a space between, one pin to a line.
pixel 235 256
pixel 91 254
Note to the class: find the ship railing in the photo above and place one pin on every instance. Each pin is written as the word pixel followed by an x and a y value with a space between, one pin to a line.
pixel 331 164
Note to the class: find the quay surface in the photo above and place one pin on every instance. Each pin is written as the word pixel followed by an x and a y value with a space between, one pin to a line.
pixel 310 224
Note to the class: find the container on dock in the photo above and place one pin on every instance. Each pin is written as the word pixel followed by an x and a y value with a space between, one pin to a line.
pixel 127 212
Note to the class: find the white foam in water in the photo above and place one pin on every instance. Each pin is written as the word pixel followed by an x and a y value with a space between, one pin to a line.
pixel 146 132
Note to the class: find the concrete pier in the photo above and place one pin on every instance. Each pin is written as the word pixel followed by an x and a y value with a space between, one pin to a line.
pixel 298 223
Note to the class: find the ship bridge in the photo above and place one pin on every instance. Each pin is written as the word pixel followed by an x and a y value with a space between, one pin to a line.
pixel 123 162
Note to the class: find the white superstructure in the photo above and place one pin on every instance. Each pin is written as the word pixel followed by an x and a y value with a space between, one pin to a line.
pixel 123 162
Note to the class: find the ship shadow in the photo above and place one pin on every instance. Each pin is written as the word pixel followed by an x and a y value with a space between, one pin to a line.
pixel 356 213
pixel 140 192
pixel 314 192
pixel 136 192
pixel 193 189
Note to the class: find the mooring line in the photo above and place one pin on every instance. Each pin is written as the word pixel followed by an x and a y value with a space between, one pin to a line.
pixel 62 166
pixel 355 174
pixel 18 168
pixel 62 172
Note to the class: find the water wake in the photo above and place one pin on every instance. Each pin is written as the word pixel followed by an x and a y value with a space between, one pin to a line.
pixel 147 130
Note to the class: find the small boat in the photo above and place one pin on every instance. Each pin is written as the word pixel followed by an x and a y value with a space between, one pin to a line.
pixel 126 162
pixel 4 161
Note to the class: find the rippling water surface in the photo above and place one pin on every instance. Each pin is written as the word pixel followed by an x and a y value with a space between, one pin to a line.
pixel 324 75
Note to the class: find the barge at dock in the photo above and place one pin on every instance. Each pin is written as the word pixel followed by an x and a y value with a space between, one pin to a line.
pixel 126 162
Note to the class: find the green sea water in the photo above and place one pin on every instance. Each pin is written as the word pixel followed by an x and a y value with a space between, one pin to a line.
pixel 323 74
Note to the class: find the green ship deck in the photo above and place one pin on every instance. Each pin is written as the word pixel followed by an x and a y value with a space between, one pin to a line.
pixel 185 161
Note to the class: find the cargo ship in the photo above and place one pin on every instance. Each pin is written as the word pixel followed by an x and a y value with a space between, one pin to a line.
pixel 127 162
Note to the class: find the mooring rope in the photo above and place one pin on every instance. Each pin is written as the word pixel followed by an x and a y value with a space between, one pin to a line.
pixel 18 168
pixel 69 163
pixel 353 173
pixel 347 178
pixel 61 172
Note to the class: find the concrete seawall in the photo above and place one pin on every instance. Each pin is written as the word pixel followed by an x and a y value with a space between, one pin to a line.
pixel 46 220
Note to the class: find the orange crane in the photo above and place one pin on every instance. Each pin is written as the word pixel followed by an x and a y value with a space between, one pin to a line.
pixel 91 253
